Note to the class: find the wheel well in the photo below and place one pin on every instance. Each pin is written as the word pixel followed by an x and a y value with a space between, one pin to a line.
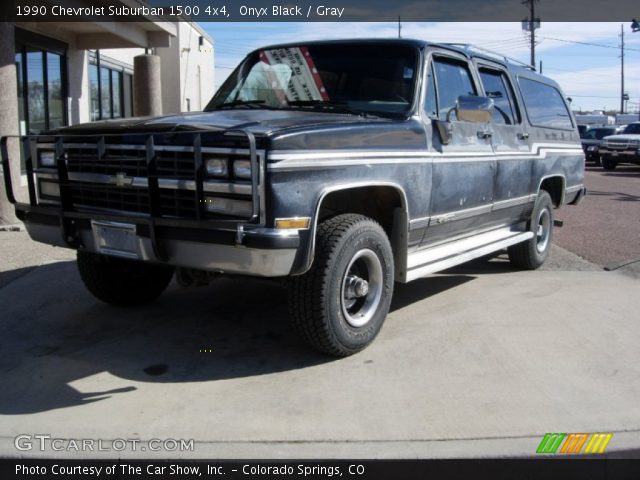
pixel 375 202
pixel 555 187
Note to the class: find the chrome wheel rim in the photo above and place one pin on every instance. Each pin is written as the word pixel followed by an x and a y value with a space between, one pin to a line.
pixel 543 230
pixel 361 288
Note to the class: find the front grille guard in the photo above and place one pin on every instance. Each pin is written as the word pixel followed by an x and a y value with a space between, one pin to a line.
pixel 68 214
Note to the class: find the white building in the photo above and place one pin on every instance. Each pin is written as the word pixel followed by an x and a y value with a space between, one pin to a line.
pixel 57 74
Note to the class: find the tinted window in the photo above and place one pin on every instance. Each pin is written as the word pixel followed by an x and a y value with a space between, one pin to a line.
pixel 600 133
pixel 496 86
pixel 431 105
pixel 545 105
pixel 375 78
pixel 453 80
pixel 589 135
pixel 633 128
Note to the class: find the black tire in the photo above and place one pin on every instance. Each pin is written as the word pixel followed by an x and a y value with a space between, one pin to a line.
pixel 330 307
pixel 532 254
pixel 609 164
pixel 122 282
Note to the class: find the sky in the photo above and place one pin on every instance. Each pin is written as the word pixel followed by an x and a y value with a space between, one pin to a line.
pixel 589 74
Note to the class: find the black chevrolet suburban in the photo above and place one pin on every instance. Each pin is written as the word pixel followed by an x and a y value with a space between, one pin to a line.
pixel 341 167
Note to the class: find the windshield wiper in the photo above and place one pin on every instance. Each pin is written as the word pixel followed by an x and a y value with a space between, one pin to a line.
pixel 332 105
pixel 243 103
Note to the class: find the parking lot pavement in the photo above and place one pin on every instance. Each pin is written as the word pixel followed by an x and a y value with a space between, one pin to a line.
pixel 605 227
pixel 481 361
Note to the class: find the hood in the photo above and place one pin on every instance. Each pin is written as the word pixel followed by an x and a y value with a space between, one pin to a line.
pixel 259 122
pixel 624 137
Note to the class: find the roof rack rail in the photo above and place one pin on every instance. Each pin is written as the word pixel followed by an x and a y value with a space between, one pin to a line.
pixel 470 49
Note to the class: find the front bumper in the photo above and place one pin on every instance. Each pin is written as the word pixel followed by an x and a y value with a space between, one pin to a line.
pixel 255 251
pixel 139 227
pixel 631 156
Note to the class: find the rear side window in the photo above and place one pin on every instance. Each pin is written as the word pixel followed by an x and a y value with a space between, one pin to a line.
pixel 632 128
pixel 496 86
pixel 453 80
pixel 545 105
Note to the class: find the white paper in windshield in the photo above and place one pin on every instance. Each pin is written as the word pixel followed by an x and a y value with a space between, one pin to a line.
pixel 304 82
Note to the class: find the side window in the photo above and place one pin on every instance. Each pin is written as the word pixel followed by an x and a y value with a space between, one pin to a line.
pixel 589 135
pixel 453 80
pixel 544 104
pixel 431 104
pixel 496 86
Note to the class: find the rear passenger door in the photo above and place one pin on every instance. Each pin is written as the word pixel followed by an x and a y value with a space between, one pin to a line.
pixel 510 142
pixel 463 169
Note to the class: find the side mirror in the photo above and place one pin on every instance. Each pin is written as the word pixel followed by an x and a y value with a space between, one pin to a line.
pixel 470 108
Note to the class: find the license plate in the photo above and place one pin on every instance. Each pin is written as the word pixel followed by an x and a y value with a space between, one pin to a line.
pixel 614 154
pixel 118 239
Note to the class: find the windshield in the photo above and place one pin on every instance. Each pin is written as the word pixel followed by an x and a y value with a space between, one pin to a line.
pixel 374 78
pixel 632 128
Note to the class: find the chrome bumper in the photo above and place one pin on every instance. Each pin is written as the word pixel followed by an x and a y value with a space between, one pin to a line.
pixel 263 252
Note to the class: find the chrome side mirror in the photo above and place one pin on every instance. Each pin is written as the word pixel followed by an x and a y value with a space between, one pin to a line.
pixel 471 108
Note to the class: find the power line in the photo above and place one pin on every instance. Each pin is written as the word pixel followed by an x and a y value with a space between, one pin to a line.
pixel 590 44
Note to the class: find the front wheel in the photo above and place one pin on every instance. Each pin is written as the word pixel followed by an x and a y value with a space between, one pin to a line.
pixel 340 304
pixel 533 253
pixel 122 282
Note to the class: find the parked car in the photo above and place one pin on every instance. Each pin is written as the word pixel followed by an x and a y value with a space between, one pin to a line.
pixel 592 139
pixel 340 167
pixel 582 129
pixel 621 148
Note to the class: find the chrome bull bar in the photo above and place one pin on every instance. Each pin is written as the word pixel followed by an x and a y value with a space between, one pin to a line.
pixel 68 212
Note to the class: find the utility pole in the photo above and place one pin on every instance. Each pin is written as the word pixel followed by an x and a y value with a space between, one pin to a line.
pixel 530 25
pixel 399 28
pixel 622 68
pixel 532 18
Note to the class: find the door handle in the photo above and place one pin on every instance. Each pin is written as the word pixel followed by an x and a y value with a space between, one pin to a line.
pixel 484 134
pixel 523 136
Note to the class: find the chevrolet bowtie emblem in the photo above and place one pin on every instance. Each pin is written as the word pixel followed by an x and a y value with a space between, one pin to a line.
pixel 121 180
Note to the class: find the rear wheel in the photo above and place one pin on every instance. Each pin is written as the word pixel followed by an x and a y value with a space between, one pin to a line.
pixel 340 304
pixel 533 253
pixel 609 163
pixel 122 282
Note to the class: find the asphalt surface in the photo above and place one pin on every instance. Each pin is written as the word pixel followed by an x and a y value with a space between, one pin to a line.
pixel 605 227
pixel 480 361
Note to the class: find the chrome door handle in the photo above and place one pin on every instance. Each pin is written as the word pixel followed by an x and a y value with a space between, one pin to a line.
pixel 523 136
pixel 484 135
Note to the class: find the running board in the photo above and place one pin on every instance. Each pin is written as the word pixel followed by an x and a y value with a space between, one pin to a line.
pixel 440 258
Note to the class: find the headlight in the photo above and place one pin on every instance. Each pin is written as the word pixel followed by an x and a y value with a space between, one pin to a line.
pixel 242 169
pixel 49 190
pixel 228 206
pixel 217 167
pixel 46 158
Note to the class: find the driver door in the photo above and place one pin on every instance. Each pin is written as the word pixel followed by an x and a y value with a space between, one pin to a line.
pixel 463 169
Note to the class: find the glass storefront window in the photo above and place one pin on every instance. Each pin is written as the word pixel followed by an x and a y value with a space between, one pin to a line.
pixel 109 93
pixel 54 90
pixel 23 129
pixel 41 75
pixel 116 93
pixel 35 92
pixel 105 93
pixel 94 93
